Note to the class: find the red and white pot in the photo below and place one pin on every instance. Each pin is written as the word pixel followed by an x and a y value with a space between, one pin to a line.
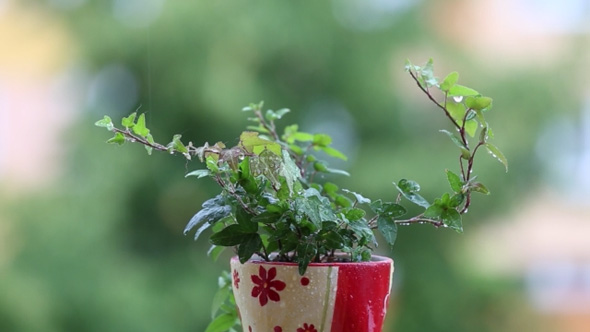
pixel 330 297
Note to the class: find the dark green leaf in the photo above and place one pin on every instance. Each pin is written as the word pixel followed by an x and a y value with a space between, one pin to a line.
pixel 232 235
pixel 245 221
pixel 388 228
pixel 305 254
pixel 452 219
pixel 213 210
pixel 267 217
pixel 456 200
pixel 250 244
pixel 434 211
pixel 409 190
pixel 454 181
pixel 392 210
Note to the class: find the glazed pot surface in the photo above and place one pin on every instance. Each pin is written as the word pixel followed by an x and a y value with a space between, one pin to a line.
pixel 330 297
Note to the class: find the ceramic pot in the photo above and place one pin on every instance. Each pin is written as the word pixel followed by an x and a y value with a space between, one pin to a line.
pixel 330 297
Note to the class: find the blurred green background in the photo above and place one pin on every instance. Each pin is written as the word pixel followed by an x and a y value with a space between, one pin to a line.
pixel 91 234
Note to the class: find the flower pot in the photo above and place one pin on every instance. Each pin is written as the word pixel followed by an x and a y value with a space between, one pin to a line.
pixel 330 297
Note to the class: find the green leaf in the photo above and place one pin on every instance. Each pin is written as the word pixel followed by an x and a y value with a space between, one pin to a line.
pixel 480 188
pixel 267 217
pixel 106 122
pixel 289 171
pixel 322 140
pixel 458 143
pixel 176 144
pixel 456 110
pixel 449 81
pixel 232 235
pixel 409 190
pixel 334 153
pixel 355 214
pixel 454 181
pixel 117 139
pixel 460 90
pixel 139 128
pixel 129 122
pixel 200 173
pixel 388 229
pixel 272 115
pixel 212 210
pixel 219 299
pixel 305 254
pixel 214 252
pixel 478 102
pixel 496 153
pixel 337 171
pixel 427 74
pixel 244 219
pixel 251 243
pixel 452 219
pixel 434 211
pixel 222 323
pixel 392 210
pixel 250 141
pixel 150 139
pixel 359 198
pixel 471 127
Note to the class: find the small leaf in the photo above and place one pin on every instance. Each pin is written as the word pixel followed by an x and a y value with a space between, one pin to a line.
pixel 471 127
pixel 359 198
pixel 480 188
pixel 250 141
pixel 176 144
pixel 244 219
pixel 434 211
pixel 129 121
pixel 478 102
pixel 322 140
pixel 355 214
pixel 214 252
pixel 150 140
pixel 232 235
pixel 106 122
pixel 305 254
pixel 219 298
pixel 139 128
pixel 200 173
pixel 496 153
pixel 213 210
pixel 334 153
pixel 337 171
pixel 449 81
pixel 464 151
pixel 392 210
pixel 409 190
pixel 454 181
pixel 117 139
pixel 460 90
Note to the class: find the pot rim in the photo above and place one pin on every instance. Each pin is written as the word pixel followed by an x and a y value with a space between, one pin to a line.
pixel 375 260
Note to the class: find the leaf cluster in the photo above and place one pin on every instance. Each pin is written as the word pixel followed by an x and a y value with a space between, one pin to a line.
pixel 273 201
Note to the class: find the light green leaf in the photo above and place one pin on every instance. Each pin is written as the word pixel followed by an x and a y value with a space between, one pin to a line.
pixel 334 153
pixel 478 102
pixel 460 90
pixel 337 171
pixel 117 139
pixel 139 128
pixel 456 110
pixel 200 173
pixel 150 139
pixel 254 144
pixel 471 127
pixel 449 81
pixel 458 143
pixel 322 140
pixel 222 323
pixel 129 121
pixel 106 122
pixel 176 144
pixel 289 171
pixel 359 198
pixel 496 153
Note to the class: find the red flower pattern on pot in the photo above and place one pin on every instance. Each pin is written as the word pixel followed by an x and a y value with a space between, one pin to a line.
pixel 236 279
pixel 264 286
pixel 307 328
pixel 278 329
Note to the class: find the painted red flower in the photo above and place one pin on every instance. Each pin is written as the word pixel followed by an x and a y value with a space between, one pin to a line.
pixel 264 286
pixel 236 279
pixel 278 329
pixel 307 328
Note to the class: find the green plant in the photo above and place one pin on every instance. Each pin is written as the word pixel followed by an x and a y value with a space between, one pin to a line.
pixel 273 205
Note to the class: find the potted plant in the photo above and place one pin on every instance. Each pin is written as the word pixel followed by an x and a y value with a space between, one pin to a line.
pixel 303 245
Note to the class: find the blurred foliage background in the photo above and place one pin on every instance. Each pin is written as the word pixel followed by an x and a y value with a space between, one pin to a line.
pixel 93 241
